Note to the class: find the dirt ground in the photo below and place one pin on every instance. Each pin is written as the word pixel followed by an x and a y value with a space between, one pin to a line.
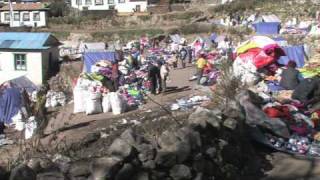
pixel 68 128
pixel 78 130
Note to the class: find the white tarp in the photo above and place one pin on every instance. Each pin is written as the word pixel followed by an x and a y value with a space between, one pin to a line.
pixel 271 18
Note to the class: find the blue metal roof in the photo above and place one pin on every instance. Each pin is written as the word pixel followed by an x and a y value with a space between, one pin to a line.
pixel 23 40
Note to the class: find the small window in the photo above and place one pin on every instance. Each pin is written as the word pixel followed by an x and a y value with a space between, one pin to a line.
pixel 36 16
pixel 26 17
pixel 7 16
pixel 110 1
pixel 79 2
pixel 111 7
pixel 20 62
pixel 122 1
pixel 98 2
pixel 88 2
pixel 16 16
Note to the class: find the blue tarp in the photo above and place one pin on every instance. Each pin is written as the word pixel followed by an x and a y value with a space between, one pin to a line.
pixel 90 58
pixel 265 28
pixel 295 53
pixel 213 37
pixel 10 103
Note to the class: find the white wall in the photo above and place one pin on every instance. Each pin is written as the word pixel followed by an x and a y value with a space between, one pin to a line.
pixel 105 5
pixel 19 23
pixel 127 6
pixel 34 66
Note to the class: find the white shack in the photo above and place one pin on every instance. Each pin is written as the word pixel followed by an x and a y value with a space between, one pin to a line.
pixel 33 55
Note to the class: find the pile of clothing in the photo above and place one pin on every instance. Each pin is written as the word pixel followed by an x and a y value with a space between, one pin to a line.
pixel 257 55
pixel 55 99
pixel 291 117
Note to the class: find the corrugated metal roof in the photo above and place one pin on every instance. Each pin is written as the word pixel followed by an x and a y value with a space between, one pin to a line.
pixel 23 40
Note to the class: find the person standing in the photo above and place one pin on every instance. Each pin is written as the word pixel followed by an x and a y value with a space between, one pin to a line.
pixel 154 77
pixel 164 72
pixel 115 75
pixel 183 56
pixel 200 64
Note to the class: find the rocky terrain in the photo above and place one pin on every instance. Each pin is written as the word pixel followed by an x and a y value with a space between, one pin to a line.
pixel 208 144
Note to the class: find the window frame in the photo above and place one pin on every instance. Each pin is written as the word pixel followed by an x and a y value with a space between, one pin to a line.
pixel 111 2
pixel 86 2
pixel 78 2
pixel 7 16
pixel 16 60
pixel 98 2
pixel 23 16
pixel 14 16
pixel 122 1
pixel 34 18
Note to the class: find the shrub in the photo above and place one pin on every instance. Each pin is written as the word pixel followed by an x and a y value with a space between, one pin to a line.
pixel 198 28
pixel 145 18
pixel 61 35
pixel 126 34
pixel 182 16
pixel 58 8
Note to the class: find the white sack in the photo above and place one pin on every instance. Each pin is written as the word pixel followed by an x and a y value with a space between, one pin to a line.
pixel 79 98
pixel 106 104
pixel 93 103
pixel 117 103
pixel 31 127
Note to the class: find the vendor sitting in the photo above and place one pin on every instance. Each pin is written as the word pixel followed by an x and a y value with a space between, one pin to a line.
pixel 290 77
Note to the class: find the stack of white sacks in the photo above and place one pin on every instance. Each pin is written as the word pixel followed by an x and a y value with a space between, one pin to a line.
pixel 55 99
pixel 21 122
pixel 90 99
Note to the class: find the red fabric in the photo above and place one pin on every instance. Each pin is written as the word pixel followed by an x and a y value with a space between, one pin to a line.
pixel 274 48
pixel 300 130
pixel 262 59
pixel 278 112
pixel 250 54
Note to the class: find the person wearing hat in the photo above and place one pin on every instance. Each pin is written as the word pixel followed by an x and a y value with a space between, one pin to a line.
pixel 200 65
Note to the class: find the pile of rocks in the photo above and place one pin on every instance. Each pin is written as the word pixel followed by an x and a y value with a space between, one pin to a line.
pixel 211 145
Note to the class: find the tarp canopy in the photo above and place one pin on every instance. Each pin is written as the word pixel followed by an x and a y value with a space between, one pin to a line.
pixel 271 18
pixel 90 58
pixel 10 104
pixel 267 28
pixel 295 53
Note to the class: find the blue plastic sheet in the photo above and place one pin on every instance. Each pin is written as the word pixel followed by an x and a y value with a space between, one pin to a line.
pixel 90 58
pixel 213 37
pixel 295 53
pixel 274 86
pixel 10 103
pixel 265 28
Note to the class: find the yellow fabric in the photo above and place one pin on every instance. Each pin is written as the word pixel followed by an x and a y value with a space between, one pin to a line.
pixel 314 116
pixel 245 47
pixel 201 62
